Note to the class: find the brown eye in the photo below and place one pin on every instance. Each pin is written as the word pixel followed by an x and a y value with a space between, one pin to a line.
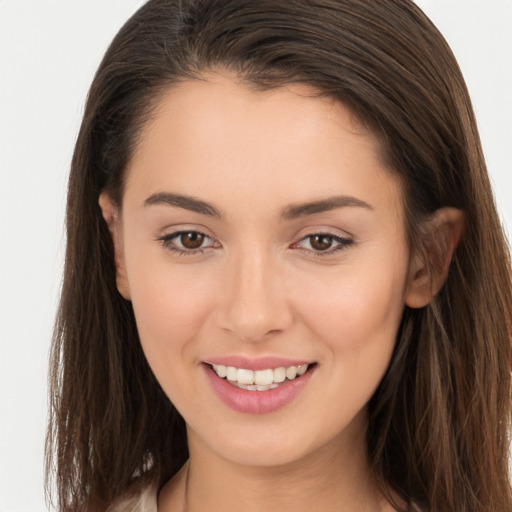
pixel 192 240
pixel 320 242
pixel 323 244
pixel 188 243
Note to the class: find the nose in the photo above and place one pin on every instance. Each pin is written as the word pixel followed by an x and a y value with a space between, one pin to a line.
pixel 256 304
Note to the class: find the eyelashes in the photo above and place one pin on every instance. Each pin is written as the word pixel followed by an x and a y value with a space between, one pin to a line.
pixel 187 242
pixel 321 244
pixel 192 242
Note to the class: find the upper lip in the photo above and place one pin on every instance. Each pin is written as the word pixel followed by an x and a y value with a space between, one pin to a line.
pixel 259 363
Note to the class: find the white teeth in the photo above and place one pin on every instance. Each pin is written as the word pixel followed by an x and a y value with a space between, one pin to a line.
pixel 279 374
pixel 291 372
pixel 255 387
pixel 259 380
pixel 245 376
pixel 263 377
pixel 230 373
pixel 250 387
pixel 221 370
pixel 301 370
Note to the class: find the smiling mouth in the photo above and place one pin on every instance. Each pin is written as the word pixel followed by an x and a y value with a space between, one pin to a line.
pixel 260 380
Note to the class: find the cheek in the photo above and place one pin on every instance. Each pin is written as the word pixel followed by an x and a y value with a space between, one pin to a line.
pixel 171 303
pixel 355 318
pixel 357 309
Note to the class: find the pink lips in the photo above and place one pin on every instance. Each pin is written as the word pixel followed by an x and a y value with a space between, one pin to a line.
pixel 256 402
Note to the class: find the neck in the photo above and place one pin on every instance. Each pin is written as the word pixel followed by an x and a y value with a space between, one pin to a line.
pixel 335 478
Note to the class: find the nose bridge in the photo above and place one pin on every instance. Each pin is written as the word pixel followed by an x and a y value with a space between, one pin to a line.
pixel 256 302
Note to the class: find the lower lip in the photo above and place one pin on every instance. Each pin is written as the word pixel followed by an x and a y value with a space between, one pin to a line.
pixel 257 402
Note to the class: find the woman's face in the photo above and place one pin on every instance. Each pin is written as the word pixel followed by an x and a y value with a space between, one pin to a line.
pixel 260 232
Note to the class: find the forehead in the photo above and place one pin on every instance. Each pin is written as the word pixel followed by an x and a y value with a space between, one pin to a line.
pixel 220 101
pixel 221 137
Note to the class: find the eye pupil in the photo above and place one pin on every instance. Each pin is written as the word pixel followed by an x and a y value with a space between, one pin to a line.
pixel 321 242
pixel 192 240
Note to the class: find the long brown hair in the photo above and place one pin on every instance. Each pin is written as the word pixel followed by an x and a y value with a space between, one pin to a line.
pixel 439 422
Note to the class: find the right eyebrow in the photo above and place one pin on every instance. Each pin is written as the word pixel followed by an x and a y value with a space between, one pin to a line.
pixel 181 201
pixel 323 205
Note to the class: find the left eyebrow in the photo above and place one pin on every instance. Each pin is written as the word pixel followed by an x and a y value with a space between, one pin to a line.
pixel 324 205
pixel 182 201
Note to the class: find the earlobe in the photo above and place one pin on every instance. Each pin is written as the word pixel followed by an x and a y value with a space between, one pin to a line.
pixel 428 269
pixel 110 213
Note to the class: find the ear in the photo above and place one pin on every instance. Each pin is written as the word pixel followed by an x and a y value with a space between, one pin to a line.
pixel 111 215
pixel 429 265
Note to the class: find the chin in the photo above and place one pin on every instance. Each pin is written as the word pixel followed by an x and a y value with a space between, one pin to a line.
pixel 282 443
pixel 264 455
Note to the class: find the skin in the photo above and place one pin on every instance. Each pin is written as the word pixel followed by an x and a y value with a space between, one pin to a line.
pixel 260 288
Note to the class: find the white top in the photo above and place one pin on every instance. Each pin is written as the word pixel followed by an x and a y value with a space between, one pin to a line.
pixel 146 501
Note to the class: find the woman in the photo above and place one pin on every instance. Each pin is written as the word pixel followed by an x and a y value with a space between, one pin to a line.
pixel 286 284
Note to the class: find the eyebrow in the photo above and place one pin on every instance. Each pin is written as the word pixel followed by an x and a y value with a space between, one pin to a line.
pixel 181 201
pixel 324 205
pixel 289 213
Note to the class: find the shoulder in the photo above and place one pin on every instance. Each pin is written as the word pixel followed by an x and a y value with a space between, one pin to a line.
pixel 143 501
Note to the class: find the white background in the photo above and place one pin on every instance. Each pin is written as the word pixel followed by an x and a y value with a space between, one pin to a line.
pixel 49 50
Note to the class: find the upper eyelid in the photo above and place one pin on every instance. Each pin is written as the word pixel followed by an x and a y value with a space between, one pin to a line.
pixel 183 228
pixel 176 234
pixel 320 230
pixel 171 232
pixel 344 240
pixel 326 233
pixel 337 237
